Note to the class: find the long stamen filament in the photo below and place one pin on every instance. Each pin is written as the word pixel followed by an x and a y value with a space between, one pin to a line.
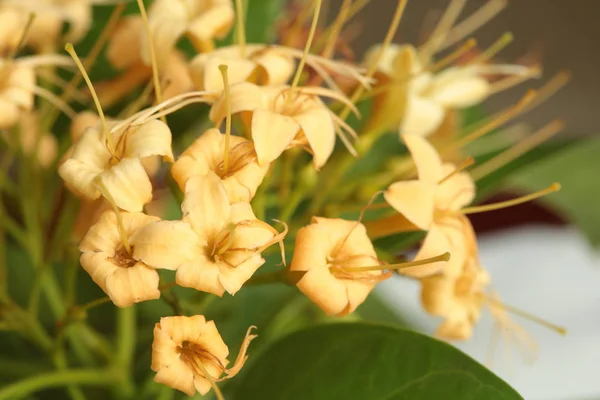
pixel 400 266
pixel 209 378
pixel 495 303
pixel 155 72
pixel 555 187
pixel 439 34
pixel 511 81
pixel 459 168
pixel 69 48
pixel 336 29
pixel 309 41
pixel 455 55
pixel 226 90
pixel 106 194
pixel 373 67
pixel 549 89
pixel 474 22
pixel 240 29
pixel 518 150
pixel 494 49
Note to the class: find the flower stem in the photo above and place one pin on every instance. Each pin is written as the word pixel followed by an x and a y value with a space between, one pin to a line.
pixel 95 377
pixel 126 328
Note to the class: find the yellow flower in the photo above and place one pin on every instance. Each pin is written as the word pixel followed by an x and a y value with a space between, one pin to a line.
pixel 227 239
pixel 243 176
pixel 188 354
pixel 257 64
pixel 457 299
pixel 200 20
pixel 12 24
pixel 16 83
pixel 115 162
pixel 104 256
pixel 280 117
pixel 433 203
pixel 32 140
pixel 324 250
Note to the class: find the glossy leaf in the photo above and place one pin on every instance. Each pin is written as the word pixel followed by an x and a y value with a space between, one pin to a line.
pixel 362 361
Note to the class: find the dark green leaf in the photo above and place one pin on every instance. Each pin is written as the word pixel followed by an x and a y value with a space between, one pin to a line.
pixel 576 169
pixel 361 361
pixel 261 18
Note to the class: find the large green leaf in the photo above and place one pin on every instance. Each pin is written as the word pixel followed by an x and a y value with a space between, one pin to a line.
pixel 261 19
pixel 576 168
pixel 362 361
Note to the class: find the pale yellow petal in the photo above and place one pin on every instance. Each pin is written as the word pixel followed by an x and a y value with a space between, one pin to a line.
pixel 458 88
pixel 272 133
pixel 80 177
pixel 414 200
pixel 455 192
pixel 207 75
pixel 213 23
pixel 422 117
pixel 206 205
pixel 425 157
pixel 124 47
pixel 82 122
pixel 153 138
pixel 250 236
pixel 245 96
pixel 98 267
pixel 319 129
pixel 437 295
pixel 165 244
pixel 357 294
pixel 128 184
pixel 439 240
pixel 233 278
pixel 277 68
pixel 323 289
pixel 460 329
pixel 126 286
pixel 9 113
pixel 103 236
pixel 201 274
pixel 178 375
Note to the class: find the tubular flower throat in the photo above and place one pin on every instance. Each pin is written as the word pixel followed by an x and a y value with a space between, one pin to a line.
pixel 243 175
pixel 188 354
pixel 323 249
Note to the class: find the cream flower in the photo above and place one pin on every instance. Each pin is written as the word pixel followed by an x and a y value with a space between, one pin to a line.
pixel 12 24
pixel 243 176
pixel 188 354
pixel 16 83
pixel 43 144
pixel 324 250
pixel 124 53
pixel 433 203
pixel 259 64
pixel 227 238
pixel 104 256
pixel 458 300
pixel 115 163
pixel 280 117
pixel 200 20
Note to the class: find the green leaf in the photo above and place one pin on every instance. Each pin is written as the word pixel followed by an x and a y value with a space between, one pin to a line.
pixel 576 169
pixel 362 361
pixel 261 18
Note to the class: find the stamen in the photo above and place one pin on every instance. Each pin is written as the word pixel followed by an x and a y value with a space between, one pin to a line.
pixel 336 29
pixel 514 80
pixel 439 34
pixel 23 37
pixel 499 120
pixel 384 46
pixel 55 100
pixel 556 328
pixel 69 48
pixel 459 168
pixel 155 77
pixel 311 36
pixel 518 150
pixel 352 11
pixel 240 29
pixel 400 266
pixel 474 22
pixel 555 187
pixel 494 49
pixel 549 89
pixel 455 55
pixel 226 91
pixel 106 194
pixel 208 377
pixel 360 218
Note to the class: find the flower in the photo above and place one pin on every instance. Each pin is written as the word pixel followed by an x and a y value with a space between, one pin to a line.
pixel 433 203
pixel 254 63
pixel 124 53
pixel 105 257
pixel 43 144
pixel 188 354
pixel 458 300
pixel 16 81
pixel 280 117
pixel 200 20
pixel 243 176
pixel 12 23
pixel 113 160
pixel 227 239
pixel 323 250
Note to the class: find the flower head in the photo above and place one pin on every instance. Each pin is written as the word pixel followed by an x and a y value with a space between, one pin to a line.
pixel 188 354
pixel 324 251
pixel 16 95
pixel 243 175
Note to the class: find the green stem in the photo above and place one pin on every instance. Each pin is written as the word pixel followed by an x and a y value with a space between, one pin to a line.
pixel 126 327
pixel 92 377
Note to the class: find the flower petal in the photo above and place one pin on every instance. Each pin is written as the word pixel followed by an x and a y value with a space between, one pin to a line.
pixel 80 177
pixel 319 129
pixel 422 117
pixel 152 138
pixel 455 192
pixel 126 286
pixel 277 68
pixel 326 291
pixel 128 184
pixel 207 76
pixel 414 200
pixel 245 96
pixel 213 22
pixel 458 88
pixel 165 244
pixel 272 133
pixel 232 279
pixel 97 265
pixel 201 274
pixel 206 205
pixel 425 157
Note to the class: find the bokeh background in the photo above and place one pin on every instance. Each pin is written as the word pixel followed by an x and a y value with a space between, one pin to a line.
pixel 547 269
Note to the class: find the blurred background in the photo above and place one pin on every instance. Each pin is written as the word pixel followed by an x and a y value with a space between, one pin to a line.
pixel 537 263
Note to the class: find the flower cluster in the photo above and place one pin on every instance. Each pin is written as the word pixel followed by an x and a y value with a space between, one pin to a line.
pixel 283 110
